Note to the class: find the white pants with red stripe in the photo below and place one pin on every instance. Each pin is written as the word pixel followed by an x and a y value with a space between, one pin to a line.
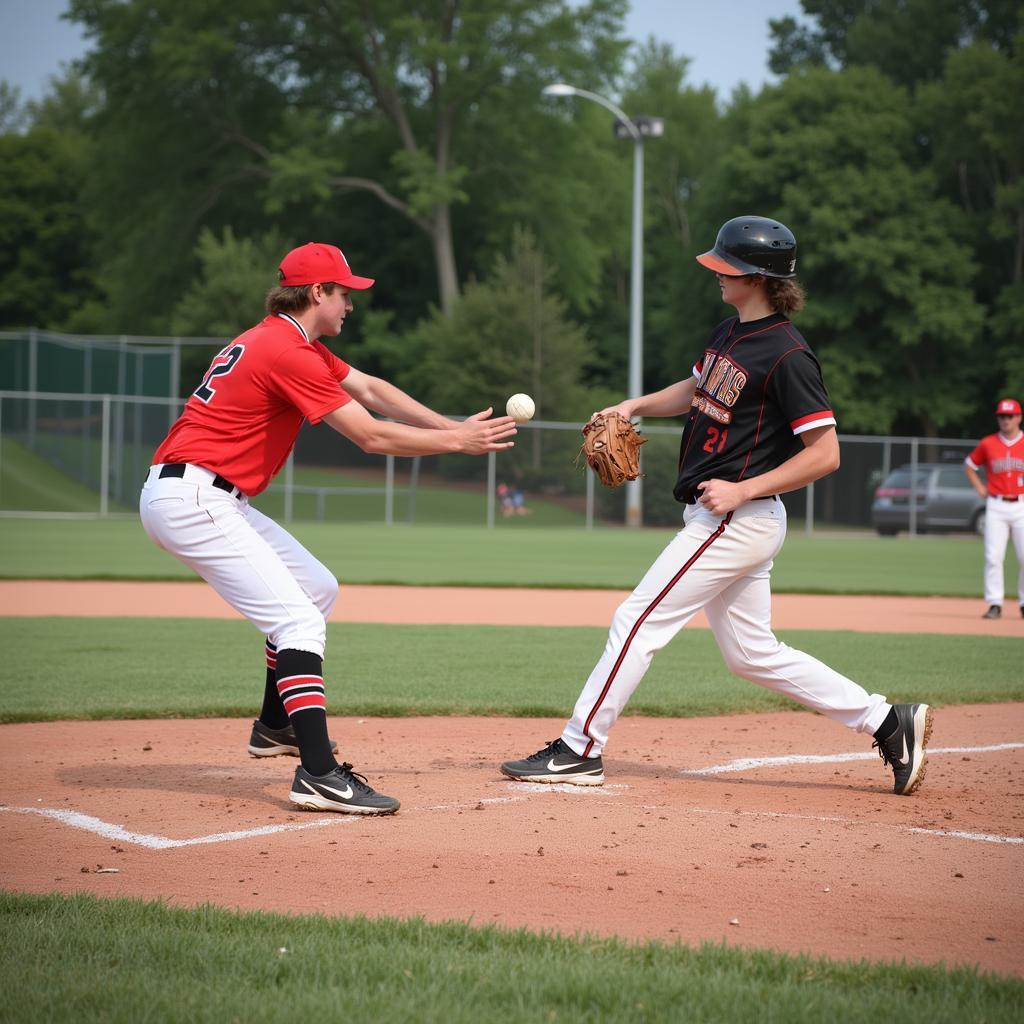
pixel 1003 520
pixel 258 567
pixel 724 567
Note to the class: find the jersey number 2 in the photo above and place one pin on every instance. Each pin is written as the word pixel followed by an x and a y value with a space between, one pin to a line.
pixel 223 364
pixel 713 438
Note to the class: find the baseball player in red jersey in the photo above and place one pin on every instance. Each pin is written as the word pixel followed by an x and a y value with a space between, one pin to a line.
pixel 236 432
pixel 1001 455
pixel 760 423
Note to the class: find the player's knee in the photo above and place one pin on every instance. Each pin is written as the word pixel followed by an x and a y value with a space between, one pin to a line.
pixel 325 591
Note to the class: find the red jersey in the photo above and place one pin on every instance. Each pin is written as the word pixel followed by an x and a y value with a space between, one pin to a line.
pixel 1003 462
pixel 242 420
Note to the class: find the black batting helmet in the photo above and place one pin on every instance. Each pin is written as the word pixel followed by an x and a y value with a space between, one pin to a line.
pixel 752 245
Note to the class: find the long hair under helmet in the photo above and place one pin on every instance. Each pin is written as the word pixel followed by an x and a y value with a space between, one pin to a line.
pixel 752 245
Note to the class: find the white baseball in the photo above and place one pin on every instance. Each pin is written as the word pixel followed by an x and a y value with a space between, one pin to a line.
pixel 520 408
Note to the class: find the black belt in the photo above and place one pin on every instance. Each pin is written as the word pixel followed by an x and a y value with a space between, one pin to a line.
pixel 1006 497
pixel 178 469
pixel 765 497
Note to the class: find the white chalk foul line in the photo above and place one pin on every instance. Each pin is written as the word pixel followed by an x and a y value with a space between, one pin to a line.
pixel 977 837
pixel 743 764
pixel 110 831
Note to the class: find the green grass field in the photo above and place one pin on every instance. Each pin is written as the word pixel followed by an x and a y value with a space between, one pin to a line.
pixel 130 961
pixel 95 668
pixel 510 556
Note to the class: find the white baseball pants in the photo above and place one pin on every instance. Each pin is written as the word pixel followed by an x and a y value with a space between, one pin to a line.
pixel 722 565
pixel 258 567
pixel 1003 519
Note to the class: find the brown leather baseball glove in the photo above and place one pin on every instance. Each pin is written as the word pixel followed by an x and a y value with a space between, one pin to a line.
pixel 612 447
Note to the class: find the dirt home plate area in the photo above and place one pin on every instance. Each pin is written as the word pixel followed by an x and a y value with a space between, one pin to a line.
pixel 771 831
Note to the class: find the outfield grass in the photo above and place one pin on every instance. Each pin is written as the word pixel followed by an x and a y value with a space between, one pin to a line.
pixel 170 668
pixel 126 960
pixel 527 556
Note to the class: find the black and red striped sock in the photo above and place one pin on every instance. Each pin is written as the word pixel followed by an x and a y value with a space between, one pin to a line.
pixel 300 684
pixel 273 713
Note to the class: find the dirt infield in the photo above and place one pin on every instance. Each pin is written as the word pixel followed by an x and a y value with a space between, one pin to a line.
pixel 681 841
pixel 510 606
pixel 771 831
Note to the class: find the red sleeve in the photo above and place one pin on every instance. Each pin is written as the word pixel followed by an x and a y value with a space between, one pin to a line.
pixel 304 379
pixel 338 367
pixel 978 457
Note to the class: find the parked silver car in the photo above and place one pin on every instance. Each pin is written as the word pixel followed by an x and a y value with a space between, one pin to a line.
pixel 945 500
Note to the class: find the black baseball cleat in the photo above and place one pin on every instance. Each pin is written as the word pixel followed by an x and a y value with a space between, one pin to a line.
pixel 994 611
pixel 267 742
pixel 1022 611
pixel 903 751
pixel 557 762
pixel 340 790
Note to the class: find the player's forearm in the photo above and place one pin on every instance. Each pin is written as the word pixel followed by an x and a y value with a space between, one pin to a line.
pixel 383 397
pixel 972 475
pixel 815 460
pixel 671 401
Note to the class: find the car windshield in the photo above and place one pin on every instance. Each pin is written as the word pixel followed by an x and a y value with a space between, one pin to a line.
pixel 901 478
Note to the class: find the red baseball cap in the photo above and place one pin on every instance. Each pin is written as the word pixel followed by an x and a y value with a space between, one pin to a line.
pixel 316 263
pixel 1008 407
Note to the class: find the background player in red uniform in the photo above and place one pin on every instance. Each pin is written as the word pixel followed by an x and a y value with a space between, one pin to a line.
pixel 1001 455
pixel 236 432
pixel 760 423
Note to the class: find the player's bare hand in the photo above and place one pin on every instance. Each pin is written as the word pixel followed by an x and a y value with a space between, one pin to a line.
pixel 721 496
pixel 480 433
pixel 623 408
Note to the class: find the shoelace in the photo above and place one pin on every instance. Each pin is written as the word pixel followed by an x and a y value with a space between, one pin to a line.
pixel 548 751
pixel 359 780
pixel 881 753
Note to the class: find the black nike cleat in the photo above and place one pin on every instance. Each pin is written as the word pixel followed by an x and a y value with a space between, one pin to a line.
pixel 340 790
pixel 903 751
pixel 994 611
pixel 267 742
pixel 557 762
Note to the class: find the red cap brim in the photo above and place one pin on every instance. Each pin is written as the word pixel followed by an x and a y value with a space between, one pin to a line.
pixel 715 262
pixel 358 284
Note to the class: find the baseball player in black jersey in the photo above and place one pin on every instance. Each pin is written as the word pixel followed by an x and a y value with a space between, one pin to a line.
pixel 760 424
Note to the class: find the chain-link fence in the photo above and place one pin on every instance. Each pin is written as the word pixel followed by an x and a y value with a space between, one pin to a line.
pixel 66 454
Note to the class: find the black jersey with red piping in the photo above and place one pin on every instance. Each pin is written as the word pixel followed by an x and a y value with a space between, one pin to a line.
pixel 759 387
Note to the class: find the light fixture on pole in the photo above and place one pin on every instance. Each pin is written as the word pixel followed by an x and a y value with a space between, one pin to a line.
pixel 636 128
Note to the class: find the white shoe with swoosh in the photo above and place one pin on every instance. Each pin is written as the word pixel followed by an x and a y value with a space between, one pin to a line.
pixel 557 762
pixel 341 790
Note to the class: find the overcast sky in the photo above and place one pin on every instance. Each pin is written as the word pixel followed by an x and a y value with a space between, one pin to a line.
pixel 726 39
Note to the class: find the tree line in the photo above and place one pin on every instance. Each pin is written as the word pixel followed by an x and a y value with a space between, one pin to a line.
pixel 156 185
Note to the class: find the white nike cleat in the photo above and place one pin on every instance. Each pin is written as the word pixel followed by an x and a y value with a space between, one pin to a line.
pixel 904 750
pixel 557 762
pixel 339 790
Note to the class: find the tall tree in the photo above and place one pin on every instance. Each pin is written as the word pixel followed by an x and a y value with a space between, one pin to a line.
pixel 205 99
pixel 906 39
pixel 887 261
pixel 47 276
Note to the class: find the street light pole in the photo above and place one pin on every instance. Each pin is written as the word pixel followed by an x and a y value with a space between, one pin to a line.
pixel 635 129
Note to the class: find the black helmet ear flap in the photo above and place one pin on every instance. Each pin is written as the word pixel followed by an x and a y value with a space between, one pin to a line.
pixel 752 245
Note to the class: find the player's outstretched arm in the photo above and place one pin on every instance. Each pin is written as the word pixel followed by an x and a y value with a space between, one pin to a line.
pixel 671 401
pixel 381 396
pixel 476 435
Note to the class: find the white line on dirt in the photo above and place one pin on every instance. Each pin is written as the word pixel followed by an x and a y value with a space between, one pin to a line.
pixel 743 764
pixel 109 831
pixel 977 837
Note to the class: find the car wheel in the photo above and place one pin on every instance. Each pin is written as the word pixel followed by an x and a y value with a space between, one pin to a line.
pixel 887 531
pixel 978 523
